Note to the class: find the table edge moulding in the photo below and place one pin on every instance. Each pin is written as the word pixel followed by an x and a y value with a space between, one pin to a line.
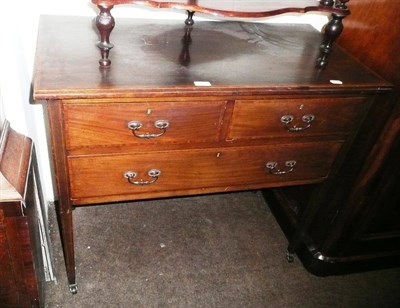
pixel 138 120
pixel 105 22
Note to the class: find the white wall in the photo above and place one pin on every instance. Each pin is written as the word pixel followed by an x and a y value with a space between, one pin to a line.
pixel 19 24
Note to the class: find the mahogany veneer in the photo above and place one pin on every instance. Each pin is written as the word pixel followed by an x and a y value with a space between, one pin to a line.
pixel 262 116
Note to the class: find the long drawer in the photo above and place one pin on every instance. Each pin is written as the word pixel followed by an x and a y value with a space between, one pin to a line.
pixel 180 171
pixel 252 119
pixel 102 124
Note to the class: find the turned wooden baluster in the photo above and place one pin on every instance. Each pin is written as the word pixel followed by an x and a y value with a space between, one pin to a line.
pixel 189 20
pixel 332 29
pixel 105 24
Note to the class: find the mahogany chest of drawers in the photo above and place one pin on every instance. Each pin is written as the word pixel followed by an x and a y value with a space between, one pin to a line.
pixel 218 107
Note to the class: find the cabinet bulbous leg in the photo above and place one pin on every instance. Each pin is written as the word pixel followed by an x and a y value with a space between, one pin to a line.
pixel 105 24
pixel 332 31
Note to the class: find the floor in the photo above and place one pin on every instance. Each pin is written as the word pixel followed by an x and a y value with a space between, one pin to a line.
pixel 222 250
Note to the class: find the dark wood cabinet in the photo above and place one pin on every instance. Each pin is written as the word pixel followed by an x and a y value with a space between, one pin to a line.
pixel 21 264
pixel 373 225
pixel 357 227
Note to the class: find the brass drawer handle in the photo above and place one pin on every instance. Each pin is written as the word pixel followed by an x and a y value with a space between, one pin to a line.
pixel 307 118
pixel 160 124
pixel 153 173
pixel 272 166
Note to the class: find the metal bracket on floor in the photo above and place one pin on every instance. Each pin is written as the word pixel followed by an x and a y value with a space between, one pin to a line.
pixel 73 288
pixel 289 257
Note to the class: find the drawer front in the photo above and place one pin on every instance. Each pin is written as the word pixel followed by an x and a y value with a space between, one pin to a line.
pixel 240 167
pixel 142 123
pixel 295 117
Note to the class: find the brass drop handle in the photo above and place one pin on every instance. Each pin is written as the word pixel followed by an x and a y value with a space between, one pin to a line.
pixel 288 118
pixel 153 173
pixel 273 167
pixel 159 124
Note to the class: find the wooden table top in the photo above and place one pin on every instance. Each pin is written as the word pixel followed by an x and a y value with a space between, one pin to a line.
pixel 149 58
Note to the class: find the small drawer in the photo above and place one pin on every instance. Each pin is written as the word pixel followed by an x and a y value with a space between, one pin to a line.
pixel 254 119
pixel 114 124
pixel 151 174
